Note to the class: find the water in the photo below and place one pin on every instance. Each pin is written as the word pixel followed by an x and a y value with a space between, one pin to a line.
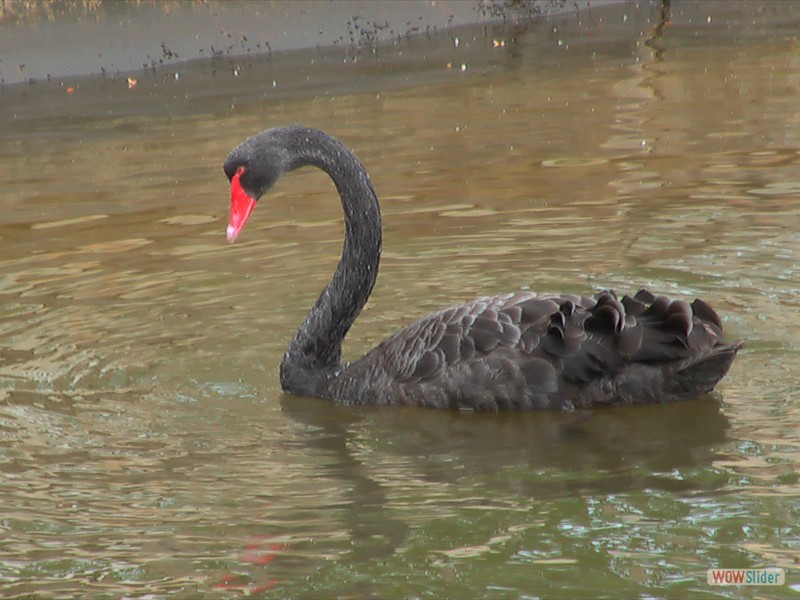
pixel 145 446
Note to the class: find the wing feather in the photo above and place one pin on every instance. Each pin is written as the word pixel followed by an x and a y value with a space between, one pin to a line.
pixel 525 350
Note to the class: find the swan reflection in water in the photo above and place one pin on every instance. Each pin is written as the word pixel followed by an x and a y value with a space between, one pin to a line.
pixel 431 462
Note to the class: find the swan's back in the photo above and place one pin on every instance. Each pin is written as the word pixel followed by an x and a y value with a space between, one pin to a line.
pixel 529 351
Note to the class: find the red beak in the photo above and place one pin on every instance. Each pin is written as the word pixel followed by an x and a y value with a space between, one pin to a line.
pixel 242 206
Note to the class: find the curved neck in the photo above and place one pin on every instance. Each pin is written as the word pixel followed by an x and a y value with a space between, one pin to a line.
pixel 314 354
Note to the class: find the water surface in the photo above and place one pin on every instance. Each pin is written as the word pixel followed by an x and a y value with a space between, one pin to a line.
pixel 145 445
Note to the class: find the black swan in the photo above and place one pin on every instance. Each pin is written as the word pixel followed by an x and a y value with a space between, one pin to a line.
pixel 515 351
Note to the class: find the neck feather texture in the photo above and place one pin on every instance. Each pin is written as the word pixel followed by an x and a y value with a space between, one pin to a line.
pixel 314 355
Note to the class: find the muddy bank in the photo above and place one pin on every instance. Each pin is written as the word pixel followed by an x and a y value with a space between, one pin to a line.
pixel 73 39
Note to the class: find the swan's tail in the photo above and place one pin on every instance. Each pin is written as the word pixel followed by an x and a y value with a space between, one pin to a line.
pixel 702 373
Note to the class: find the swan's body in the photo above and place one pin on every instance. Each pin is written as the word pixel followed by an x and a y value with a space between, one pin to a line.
pixel 516 351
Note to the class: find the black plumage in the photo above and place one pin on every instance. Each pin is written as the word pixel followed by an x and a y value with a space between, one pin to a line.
pixel 515 351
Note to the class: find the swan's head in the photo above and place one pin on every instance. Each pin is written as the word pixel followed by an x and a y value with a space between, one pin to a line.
pixel 252 168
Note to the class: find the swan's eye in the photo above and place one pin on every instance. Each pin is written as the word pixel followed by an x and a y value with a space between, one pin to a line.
pixel 231 170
